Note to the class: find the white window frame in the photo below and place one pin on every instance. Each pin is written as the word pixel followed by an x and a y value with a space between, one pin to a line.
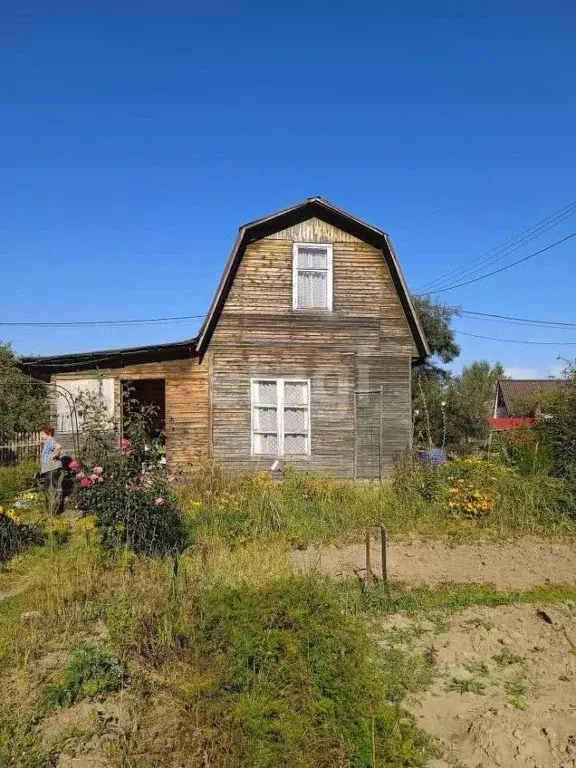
pixel 295 270
pixel 280 406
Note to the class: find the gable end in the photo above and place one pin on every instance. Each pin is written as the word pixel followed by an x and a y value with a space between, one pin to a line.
pixel 313 208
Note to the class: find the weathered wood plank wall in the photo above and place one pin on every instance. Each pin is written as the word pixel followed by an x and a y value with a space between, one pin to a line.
pixel 187 392
pixel 364 342
pixel 331 375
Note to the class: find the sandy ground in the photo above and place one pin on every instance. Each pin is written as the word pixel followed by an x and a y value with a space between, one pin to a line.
pixel 524 715
pixel 516 565
pixel 521 711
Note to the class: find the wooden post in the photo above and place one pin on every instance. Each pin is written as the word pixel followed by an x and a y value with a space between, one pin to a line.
pixel 369 576
pixel 384 548
pixel 368 563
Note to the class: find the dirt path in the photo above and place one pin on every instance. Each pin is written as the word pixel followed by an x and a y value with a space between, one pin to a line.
pixel 520 711
pixel 514 565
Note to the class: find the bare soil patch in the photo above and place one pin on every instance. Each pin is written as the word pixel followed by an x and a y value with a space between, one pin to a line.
pixel 505 690
pixel 512 565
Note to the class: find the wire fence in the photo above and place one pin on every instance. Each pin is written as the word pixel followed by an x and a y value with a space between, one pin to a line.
pixel 19 446
pixel 368 434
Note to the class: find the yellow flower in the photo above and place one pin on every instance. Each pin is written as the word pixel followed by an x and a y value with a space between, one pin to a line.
pixel 10 514
pixel 87 523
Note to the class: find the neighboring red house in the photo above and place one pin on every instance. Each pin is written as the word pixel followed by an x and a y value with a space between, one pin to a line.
pixel 517 402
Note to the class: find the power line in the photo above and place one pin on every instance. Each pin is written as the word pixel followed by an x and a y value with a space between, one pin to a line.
pixel 506 266
pixel 82 323
pixel 517 341
pixel 472 271
pixel 524 320
pixel 505 249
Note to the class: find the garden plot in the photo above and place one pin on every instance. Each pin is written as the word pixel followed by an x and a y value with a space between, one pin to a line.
pixel 515 565
pixel 504 694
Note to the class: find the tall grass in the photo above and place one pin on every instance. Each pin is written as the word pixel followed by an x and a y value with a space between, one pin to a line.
pixel 233 660
pixel 306 509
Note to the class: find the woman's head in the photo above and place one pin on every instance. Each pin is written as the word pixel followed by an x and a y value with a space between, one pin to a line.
pixel 46 432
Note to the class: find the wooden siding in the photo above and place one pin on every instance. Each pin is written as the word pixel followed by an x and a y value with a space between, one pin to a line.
pixel 392 376
pixel 364 342
pixel 332 377
pixel 313 231
pixel 362 288
pixel 187 392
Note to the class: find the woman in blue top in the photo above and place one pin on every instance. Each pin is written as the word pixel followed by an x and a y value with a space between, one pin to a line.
pixel 51 469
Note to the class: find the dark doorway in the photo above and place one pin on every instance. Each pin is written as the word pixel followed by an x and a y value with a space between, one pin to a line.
pixel 149 397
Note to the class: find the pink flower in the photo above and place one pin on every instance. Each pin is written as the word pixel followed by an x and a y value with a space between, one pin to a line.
pixel 94 477
pixel 126 446
pixel 85 482
pixel 73 465
pixel 160 501
pixel 100 479
pixel 97 471
pixel 80 475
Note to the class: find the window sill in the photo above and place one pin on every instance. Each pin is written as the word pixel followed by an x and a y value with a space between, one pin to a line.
pixel 273 457
pixel 311 311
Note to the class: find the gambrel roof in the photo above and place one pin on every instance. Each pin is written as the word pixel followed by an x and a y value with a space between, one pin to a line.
pixel 313 207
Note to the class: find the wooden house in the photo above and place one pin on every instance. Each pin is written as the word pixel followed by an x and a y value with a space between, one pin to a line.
pixel 305 355
pixel 517 402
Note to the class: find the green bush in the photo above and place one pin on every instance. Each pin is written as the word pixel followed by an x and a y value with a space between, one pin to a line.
pixel 522 449
pixel 15 479
pixel 92 670
pixel 557 426
pixel 133 509
pixel 480 493
pixel 15 535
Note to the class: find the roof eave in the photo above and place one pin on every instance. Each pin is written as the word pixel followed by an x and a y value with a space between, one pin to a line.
pixel 46 366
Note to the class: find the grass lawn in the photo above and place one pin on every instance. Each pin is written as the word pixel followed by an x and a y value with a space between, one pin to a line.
pixel 225 656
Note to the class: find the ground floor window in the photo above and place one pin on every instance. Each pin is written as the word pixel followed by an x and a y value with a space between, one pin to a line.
pixel 280 417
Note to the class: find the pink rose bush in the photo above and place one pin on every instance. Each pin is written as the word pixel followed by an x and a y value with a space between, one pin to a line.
pixel 133 509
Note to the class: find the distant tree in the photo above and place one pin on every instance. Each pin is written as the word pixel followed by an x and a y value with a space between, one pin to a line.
pixel 430 379
pixel 436 320
pixel 23 401
pixel 469 402
pixel 452 410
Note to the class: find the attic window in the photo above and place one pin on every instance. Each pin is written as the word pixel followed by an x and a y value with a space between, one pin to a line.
pixel 312 276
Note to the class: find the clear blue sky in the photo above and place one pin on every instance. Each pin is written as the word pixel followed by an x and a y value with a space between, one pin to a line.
pixel 137 137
